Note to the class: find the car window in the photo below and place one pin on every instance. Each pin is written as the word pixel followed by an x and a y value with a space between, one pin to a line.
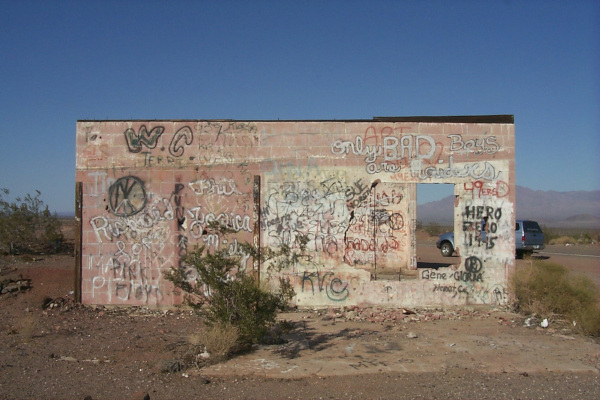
pixel 517 226
pixel 531 226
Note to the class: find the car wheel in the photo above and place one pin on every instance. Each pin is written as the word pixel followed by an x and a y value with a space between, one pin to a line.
pixel 519 254
pixel 446 249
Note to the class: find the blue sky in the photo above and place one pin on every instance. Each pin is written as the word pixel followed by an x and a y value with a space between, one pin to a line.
pixel 61 61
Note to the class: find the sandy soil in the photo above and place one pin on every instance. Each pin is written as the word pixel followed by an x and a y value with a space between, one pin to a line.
pixel 69 351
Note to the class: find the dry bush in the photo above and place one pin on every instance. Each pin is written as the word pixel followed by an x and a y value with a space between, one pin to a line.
pixel 562 236
pixel 27 225
pixel 550 289
pixel 563 240
pixel 585 238
pixel 215 342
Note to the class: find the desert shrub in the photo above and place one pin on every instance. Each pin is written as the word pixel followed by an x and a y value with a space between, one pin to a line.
pixel 226 295
pixel 213 344
pixel 550 234
pixel 577 238
pixel 570 236
pixel 26 225
pixel 584 238
pixel 550 289
pixel 562 240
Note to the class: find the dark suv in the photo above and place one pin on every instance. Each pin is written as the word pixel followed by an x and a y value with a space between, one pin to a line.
pixel 528 237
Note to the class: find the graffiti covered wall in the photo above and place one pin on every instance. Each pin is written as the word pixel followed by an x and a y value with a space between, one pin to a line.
pixel 150 189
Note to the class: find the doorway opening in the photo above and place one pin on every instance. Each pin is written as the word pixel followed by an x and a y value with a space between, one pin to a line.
pixel 435 216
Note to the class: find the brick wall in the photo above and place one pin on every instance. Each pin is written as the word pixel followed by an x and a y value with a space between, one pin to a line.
pixel 151 187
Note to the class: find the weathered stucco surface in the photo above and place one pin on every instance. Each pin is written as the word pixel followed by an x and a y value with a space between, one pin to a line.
pixel 149 189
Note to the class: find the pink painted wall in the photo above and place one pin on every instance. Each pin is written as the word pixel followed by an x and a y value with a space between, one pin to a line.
pixel 151 187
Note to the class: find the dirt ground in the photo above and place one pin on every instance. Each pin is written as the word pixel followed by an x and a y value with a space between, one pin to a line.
pixel 69 351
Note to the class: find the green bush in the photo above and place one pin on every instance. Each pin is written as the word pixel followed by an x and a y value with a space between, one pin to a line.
pixel 26 225
pixel 226 295
pixel 550 289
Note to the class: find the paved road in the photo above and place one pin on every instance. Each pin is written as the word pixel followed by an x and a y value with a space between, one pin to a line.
pixel 592 251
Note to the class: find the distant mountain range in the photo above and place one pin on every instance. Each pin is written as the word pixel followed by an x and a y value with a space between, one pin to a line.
pixel 577 209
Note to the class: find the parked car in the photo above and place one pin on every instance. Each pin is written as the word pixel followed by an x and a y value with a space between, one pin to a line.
pixel 528 237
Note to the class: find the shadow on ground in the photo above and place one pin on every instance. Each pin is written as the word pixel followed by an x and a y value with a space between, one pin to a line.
pixel 304 338
pixel 434 265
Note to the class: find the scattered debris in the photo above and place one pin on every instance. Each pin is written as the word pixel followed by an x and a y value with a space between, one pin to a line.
pixel 205 354
pixel 393 316
pixel 14 284
pixel 171 366
pixel 60 302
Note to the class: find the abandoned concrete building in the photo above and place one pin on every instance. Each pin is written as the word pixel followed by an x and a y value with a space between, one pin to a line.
pixel 147 190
